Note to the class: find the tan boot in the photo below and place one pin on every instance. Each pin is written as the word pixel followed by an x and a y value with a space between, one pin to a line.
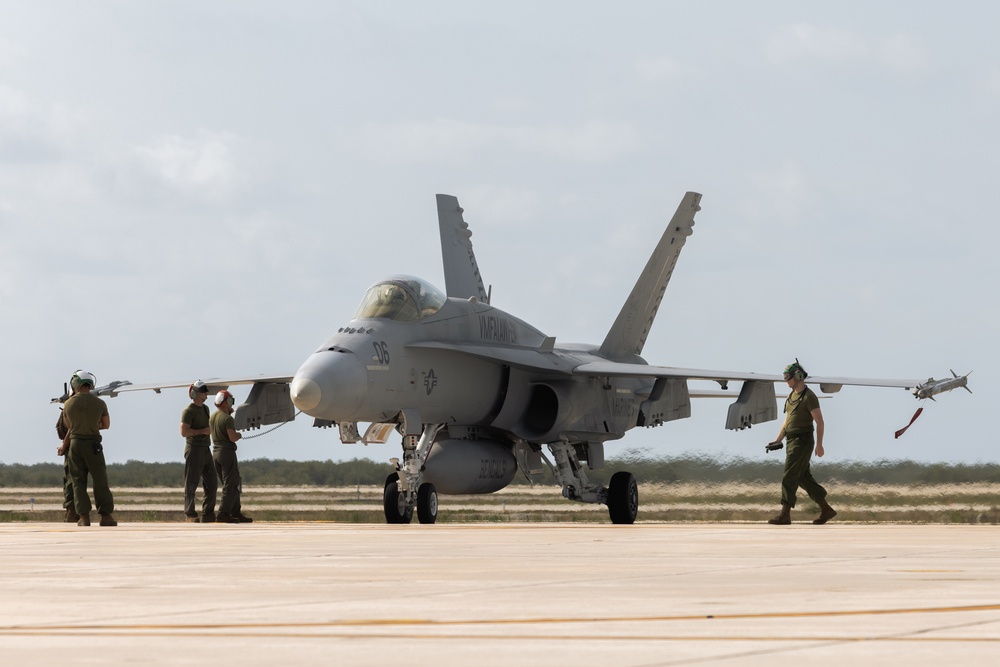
pixel 783 518
pixel 825 513
pixel 71 516
pixel 108 520
pixel 84 520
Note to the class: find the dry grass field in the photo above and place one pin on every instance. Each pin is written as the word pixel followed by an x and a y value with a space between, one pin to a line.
pixel 678 502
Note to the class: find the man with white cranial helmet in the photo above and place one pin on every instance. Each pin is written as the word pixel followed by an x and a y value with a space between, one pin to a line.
pixel 224 437
pixel 86 416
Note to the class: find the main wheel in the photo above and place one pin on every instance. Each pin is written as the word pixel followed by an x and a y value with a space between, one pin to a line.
pixel 623 498
pixel 396 510
pixel 427 503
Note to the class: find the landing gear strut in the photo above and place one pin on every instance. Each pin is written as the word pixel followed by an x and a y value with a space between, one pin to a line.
pixel 621 496
pixel 404 491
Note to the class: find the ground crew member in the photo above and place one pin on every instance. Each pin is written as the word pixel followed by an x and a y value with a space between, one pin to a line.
pixel 198 463
pixel 801 411
pixel 69 502
pixel 86 416
pixel 224 437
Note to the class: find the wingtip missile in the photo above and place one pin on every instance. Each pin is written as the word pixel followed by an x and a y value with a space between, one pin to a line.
pixel 933 387
pixel 110 389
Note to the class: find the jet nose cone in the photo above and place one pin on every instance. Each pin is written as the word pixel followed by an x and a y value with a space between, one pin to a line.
pixel 330 385
pixel 306 394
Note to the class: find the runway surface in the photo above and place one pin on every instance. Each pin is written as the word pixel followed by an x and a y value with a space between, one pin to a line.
pixel 531 594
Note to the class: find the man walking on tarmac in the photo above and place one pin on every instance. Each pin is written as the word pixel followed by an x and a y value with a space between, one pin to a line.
pixel 198 463
pixel 224 437
pixel 86 416
pixel 801 411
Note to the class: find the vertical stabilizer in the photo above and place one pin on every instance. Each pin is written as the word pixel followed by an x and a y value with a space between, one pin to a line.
pixel 461 273
pixel 628 334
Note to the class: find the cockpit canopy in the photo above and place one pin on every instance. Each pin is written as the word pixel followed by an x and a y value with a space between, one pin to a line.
pixel 401 298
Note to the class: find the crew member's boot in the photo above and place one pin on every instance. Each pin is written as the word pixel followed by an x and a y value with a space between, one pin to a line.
pixel 825 513
pixel 71 515
pixel 108 520
pixel 784 517
pixel 84 520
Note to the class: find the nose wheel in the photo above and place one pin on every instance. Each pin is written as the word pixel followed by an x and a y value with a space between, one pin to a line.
pixel 398 511
pixel 394 502
pixel 427 503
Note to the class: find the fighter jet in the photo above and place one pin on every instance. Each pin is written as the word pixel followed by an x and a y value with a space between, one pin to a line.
pixel 477 394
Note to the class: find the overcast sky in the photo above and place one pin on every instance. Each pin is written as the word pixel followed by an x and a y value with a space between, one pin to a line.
pixel 193 189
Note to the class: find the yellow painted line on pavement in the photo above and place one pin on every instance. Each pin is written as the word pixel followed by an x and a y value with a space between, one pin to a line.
pixel 202 628
pixel 256 634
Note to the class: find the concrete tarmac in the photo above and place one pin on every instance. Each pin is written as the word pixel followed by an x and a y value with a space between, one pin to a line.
pixel 526 594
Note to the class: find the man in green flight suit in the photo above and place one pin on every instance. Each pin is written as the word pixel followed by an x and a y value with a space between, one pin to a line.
pixel 224 437
pixel 198 463
pixel 86 416
pixel 69 500
pixel 801 411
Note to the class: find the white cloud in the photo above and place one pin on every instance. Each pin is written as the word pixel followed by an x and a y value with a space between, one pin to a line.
pixel 205 166
pixel 657 70
pixel 42 126
pixel 13 105
pixel 903 53
pixel 594 141
pixel 10 53
pixel 783 191
pixel 445 140
pixel 501 206
pixel 993 81
pixel 807 41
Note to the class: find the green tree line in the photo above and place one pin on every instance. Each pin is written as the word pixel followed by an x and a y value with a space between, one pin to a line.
pixel 267 472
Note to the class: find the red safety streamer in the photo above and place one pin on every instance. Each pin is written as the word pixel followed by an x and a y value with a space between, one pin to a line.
pixel 913 419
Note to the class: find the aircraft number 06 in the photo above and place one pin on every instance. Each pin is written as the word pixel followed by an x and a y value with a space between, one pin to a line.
pixel 381 352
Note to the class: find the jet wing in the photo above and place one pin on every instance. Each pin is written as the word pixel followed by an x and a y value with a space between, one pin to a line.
pixel 268 402
pixel 827 384
pixel 214 384
pixel 560 361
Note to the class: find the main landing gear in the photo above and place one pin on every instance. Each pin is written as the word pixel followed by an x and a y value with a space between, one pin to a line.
pixel 621 496
pixel 405 491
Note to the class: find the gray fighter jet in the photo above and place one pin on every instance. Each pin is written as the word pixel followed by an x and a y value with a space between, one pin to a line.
pixel 477 394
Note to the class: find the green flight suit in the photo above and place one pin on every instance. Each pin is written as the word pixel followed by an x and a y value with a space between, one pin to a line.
pixel 86 453
pixel 799 445
pixel 198 463
pixel 224 453
pixel 69 502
